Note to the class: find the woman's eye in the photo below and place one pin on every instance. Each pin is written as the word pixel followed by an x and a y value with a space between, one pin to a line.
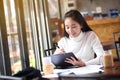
pixel 73 26
pixel 67 27
pixel 70 27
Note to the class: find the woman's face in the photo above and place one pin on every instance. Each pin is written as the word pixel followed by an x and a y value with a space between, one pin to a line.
pixel 72 27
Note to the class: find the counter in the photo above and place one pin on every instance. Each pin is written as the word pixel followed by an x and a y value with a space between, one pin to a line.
pixel 105 28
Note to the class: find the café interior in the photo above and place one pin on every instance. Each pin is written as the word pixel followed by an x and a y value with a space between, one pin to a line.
pixel 30 28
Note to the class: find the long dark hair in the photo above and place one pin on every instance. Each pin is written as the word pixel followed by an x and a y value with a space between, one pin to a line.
pixel 76 16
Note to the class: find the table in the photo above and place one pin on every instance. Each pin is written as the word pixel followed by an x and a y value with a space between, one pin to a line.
pixel 109 73
pixel 108 45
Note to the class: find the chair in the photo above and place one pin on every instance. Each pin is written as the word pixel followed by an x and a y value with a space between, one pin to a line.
pixel 108 45
pixel 50 51
pixel 117 43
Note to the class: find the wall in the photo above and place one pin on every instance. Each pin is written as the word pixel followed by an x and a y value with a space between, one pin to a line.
pixel 90 5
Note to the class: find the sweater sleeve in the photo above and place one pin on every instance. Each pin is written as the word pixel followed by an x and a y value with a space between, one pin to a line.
pixel 97 48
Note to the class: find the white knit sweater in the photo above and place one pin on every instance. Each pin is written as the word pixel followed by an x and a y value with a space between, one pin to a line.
pixel 85 46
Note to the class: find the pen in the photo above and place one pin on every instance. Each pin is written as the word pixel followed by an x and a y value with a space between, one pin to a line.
pixel 56 44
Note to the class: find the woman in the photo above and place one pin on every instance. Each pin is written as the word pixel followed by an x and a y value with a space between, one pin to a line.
pixel 79 39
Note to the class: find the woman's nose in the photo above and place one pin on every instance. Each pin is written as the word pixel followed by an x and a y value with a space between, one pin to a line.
pixel 70 30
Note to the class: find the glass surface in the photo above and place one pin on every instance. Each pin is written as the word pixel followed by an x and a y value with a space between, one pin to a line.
pixel 29 33
pixel 12 33
pixel 13 39
pixel 29 15
pixel 55 22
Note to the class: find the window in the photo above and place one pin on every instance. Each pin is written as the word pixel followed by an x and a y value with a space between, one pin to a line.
pixel 22 25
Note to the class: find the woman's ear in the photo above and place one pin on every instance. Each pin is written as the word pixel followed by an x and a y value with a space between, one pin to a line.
pixel 81 26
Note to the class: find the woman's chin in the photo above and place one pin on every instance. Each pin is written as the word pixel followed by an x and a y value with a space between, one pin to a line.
pixel 73 36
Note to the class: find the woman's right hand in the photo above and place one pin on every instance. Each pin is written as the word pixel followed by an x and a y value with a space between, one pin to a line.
pixel 59 51
pixel 75 62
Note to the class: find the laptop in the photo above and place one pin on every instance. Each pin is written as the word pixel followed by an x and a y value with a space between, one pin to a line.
pixel 59 60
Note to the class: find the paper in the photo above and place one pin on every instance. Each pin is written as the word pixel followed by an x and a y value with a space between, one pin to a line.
pixel 81 70
pixel 51 76
pixel 87 69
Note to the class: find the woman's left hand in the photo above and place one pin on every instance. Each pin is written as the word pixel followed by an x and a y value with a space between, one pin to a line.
pixel 75 62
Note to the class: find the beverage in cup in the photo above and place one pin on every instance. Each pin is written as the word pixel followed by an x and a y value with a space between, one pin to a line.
pixel 47 66
pixel 107 60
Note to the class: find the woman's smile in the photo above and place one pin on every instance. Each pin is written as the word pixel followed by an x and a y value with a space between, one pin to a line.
pixel 73 35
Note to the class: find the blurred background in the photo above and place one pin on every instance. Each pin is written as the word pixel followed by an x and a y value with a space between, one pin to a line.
pixel 29 27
